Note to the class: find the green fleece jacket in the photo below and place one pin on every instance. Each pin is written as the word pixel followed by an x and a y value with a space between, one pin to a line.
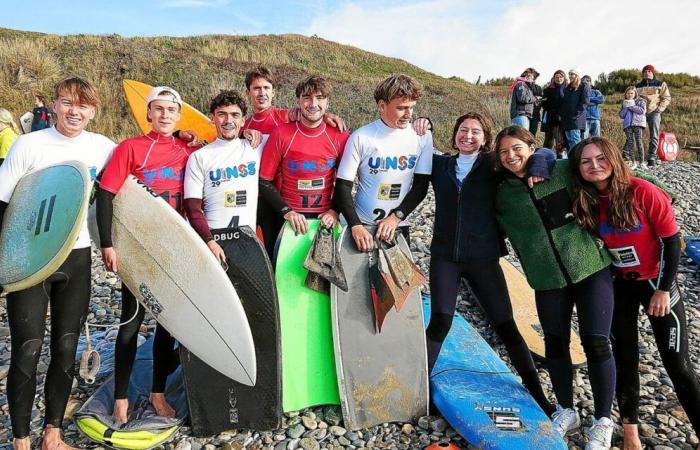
pixel 554 251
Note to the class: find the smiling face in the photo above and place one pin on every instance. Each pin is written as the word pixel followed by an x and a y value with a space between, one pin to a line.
pixel 469 137
pixel 398 112
pixel 163 115
pixel 313 106
pixel 513 154
pixel 260 94
pixel 228 121
pixel 559 78
pixel 595 167
pixel 72 116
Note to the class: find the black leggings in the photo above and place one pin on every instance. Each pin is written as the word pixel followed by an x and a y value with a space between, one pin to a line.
pixel 488 283
pixel 593 297
pixel 165 357
pixel 68 292
pixel 671 337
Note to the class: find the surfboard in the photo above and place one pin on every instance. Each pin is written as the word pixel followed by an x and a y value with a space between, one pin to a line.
pixel 190 118
pixel 42 222
pixel 178 280
pixel 692 248
pixel 216 402
pixel 308 365
pixel 25 122
pixel 482 399
pixel 522 297
pixel 382 377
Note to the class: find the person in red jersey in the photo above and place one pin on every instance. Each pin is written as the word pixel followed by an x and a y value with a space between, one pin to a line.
pixel 157 159
pixel 305 156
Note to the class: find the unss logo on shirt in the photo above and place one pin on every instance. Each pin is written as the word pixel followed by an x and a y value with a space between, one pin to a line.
pixel 387 163
pixel 224 174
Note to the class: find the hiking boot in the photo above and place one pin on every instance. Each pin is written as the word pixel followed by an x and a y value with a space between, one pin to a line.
pixel 565 420
pixel 599 435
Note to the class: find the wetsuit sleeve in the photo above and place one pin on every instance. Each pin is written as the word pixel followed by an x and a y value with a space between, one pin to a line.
pixel 193 209
pixel 117 169
pixel 671 260
pixel 342 197
pixel 105 213
pixel 415 195
pixel 541 163
pixel 273 197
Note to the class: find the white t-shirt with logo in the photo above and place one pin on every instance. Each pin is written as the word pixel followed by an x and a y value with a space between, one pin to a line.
pixel 224 174
pixel 384 160
pixel 43 148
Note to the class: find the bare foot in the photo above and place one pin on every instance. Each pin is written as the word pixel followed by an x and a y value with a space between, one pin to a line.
pixel 53 440
pixel 631 435
pixel 22 444
pixel 161 405
pixel 121 410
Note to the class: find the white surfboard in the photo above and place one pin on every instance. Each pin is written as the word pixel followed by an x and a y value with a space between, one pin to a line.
pixel 173 275
pixel 26 122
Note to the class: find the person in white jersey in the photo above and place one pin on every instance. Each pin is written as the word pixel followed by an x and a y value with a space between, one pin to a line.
pixel 68 289
pixel 221 179
pixel 392 164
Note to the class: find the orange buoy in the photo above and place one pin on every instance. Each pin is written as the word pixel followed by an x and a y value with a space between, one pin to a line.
pixel 442 446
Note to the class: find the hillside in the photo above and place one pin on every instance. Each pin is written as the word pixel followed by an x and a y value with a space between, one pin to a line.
pixel 200 66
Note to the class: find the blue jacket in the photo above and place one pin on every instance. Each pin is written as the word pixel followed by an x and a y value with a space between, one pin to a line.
pixel 573 107
pixel 593 110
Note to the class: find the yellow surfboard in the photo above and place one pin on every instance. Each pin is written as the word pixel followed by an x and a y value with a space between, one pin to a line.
pixel 522 297
pixel 191 119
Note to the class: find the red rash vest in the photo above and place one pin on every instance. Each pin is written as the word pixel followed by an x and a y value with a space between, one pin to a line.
pixel 267 120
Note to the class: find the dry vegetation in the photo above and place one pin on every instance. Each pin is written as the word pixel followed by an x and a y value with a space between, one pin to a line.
pixel 200 66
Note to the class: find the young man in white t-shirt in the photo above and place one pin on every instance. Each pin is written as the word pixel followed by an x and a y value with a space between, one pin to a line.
pixel 392 164
pixel 221 179
pixel 68 289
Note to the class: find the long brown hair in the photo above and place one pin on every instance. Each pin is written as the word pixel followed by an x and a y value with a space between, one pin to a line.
pixel 485 126
pixel 622 213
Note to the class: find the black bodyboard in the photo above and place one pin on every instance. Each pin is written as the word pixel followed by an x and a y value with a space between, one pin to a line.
pixel 216 402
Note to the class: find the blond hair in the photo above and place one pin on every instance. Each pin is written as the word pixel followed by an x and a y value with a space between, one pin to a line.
pixel 7 119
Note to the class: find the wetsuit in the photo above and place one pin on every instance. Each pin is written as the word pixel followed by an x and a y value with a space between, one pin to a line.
pixel 467 245
pixel 305 160
pixel 159 162
pixel 67 290
pixel 566 266
pixel 646 258
pixel 267 120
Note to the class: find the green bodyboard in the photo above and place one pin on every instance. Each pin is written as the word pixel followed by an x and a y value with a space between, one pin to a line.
pixel 308 364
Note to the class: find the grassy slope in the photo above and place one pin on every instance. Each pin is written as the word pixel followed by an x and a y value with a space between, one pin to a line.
pixel 200 66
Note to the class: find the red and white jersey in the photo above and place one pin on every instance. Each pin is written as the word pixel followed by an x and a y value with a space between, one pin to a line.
pixel 636 253
pixel 158 161
pixel 306 160
pixel 267 120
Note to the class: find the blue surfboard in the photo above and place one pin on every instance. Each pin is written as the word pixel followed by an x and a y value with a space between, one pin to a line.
pixel 482 399
pixel 41 223
pixel 692 248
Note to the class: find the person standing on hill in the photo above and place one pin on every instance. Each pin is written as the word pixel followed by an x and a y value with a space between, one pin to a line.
pixel 42 115
pixel 593 110
pixel 551 119
pixel 8 132
pixel 573 112
pixel 632 113
pixel 537 108
pixel 68 289
pixel 522 101
pixel 658 97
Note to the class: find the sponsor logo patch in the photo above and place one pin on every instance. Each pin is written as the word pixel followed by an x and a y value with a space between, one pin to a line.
pixel 235 199
pixel 388 191
pixel 624 256
pixel 311 185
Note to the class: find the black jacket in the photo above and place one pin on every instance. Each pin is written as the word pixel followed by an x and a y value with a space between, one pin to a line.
pixel 465 227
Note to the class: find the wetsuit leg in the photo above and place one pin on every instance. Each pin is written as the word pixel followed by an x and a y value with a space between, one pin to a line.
pixel 165 358
pixel 671 334
pixel 594 305
pixel 444 284
pixel 625 344
pixel 125 346
pixel 70 298
pixel 26 314
pixel 489 286
pixel 554 309
pixel 269 223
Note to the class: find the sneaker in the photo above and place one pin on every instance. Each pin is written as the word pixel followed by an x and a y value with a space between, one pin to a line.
pixel 599 435
pixel 643 166
pixel 651 162
pixel 565 420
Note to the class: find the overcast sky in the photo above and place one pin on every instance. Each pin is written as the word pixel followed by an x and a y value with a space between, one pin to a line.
pixel 467 38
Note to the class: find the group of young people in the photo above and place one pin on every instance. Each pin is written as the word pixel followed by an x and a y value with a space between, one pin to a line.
pixel 567 221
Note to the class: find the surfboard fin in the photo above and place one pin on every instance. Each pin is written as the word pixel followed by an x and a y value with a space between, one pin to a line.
pixel 323 261
pixel 404 273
